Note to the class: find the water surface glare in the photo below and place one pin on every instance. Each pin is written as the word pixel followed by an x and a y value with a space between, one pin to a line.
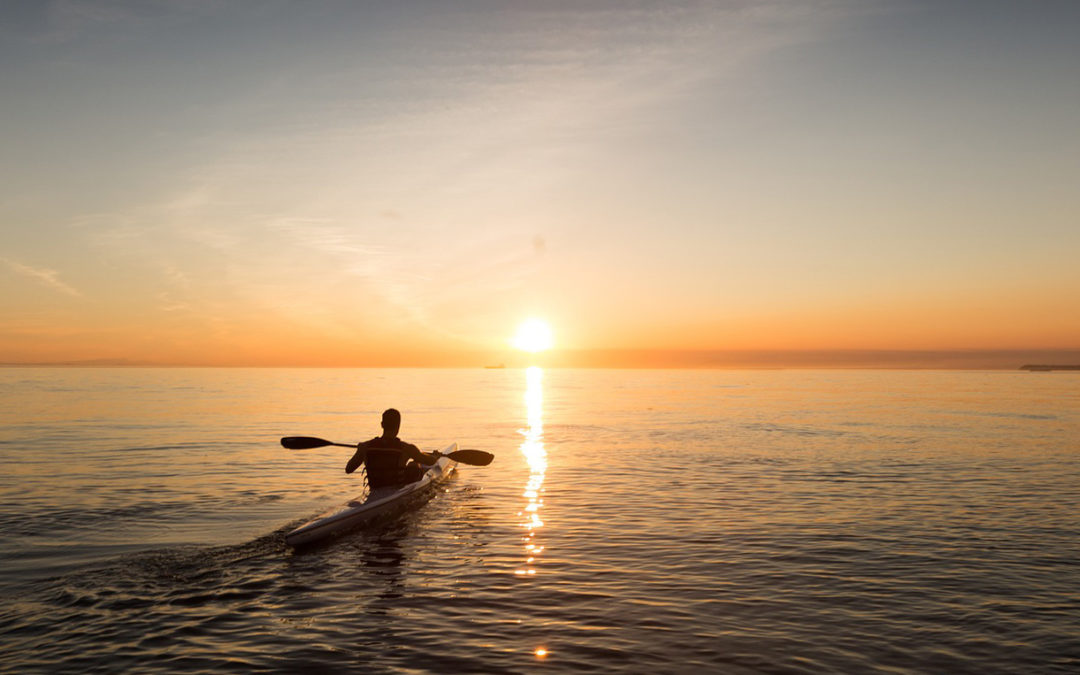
pixel 632 521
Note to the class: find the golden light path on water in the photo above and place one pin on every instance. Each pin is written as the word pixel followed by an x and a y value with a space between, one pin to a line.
pixel 536 457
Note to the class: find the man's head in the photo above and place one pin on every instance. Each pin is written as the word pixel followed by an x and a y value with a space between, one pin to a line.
pixel 391 422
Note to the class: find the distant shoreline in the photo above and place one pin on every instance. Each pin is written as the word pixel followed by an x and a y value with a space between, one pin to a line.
pixel 1044 369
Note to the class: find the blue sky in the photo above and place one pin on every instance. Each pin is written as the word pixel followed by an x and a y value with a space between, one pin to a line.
pixel 305 182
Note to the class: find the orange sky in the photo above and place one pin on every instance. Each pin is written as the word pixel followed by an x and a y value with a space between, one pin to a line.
pixel 198 184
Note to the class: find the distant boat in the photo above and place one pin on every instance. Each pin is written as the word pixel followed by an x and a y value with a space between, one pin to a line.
pixel 501 365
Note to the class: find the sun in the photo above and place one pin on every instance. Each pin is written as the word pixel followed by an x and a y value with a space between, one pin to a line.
pixel 533 335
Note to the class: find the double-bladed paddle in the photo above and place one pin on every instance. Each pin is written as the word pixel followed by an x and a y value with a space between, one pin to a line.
pixel 472 457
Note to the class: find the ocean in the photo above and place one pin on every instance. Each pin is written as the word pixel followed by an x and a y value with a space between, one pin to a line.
pixel 637 521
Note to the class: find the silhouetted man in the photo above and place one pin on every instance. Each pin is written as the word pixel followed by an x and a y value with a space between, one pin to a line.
pixel 388 460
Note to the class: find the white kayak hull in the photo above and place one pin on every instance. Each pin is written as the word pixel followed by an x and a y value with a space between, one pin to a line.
pixel 380 504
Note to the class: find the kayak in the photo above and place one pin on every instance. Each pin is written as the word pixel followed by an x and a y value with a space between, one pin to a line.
pixel 380 504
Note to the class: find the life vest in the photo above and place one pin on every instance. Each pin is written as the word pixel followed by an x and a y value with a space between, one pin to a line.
pixel 385 466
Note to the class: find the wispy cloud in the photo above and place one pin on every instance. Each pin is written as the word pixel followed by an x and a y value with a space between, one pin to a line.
pixel 43 276
pixel 62 21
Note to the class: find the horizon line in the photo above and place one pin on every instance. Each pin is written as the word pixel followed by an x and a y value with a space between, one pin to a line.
pixel 650 359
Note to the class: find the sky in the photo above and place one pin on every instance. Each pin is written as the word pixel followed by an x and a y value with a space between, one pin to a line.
pixel 402 183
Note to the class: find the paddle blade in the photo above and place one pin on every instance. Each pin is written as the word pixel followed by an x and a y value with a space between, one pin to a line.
pixel 472 457
pixel 303 442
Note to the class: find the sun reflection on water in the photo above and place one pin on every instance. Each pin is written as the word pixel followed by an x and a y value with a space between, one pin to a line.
pixel 536 457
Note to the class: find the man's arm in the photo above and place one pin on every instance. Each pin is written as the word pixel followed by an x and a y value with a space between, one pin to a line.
pixel 357 459
pixel 415 453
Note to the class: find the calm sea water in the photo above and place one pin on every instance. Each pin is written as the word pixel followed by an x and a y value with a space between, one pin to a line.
pixel 633 521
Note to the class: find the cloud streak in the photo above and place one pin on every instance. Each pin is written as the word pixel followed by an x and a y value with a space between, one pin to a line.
pixel 44 276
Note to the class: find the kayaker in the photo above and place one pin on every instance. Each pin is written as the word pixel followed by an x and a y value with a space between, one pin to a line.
pixel 388 460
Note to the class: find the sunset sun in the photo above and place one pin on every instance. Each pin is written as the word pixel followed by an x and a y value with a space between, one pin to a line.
pixel 533 335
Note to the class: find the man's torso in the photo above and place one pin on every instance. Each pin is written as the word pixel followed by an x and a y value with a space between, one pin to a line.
pixel 384 462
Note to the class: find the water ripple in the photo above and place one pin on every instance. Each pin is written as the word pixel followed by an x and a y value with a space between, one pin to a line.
pixel 704 522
